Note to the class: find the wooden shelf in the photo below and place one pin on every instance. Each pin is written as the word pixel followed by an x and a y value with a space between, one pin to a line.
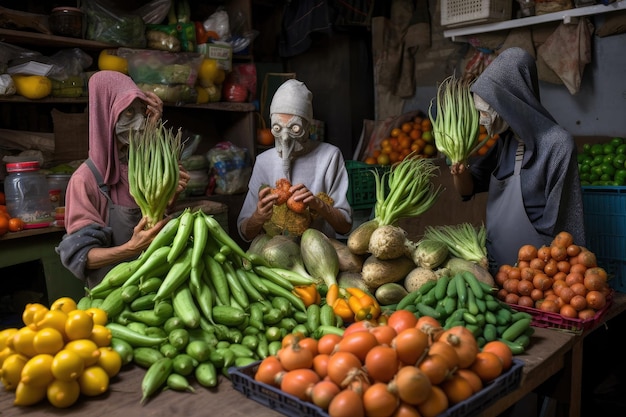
pixel 40 39
pixel 564 15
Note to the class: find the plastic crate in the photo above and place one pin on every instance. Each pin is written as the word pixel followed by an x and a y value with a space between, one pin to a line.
pixel 556 321
pixel 605 230
pixel 362 185
pixel 470 12
pixel 243 381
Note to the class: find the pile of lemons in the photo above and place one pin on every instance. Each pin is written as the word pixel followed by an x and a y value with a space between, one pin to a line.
pixel 61 353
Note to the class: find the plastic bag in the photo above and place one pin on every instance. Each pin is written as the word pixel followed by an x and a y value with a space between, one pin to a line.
pixel 231 168
pixel 218 23
pixel 106 24
pixel 69 63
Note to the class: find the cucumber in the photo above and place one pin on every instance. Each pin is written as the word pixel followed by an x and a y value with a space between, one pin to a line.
pixel 146 356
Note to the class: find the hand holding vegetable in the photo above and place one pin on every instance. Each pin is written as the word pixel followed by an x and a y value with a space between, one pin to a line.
pixel 154 109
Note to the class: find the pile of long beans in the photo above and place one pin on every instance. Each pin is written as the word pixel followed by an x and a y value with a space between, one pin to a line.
pixel 411 190
pixel 153 168
pixel 456 123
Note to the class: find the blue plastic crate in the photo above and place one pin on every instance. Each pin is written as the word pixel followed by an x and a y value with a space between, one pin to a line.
pixel 605 230
pixel 243 381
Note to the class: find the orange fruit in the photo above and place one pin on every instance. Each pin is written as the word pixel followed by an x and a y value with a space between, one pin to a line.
pixel 16 224
pixel 395 132
pixel 370 160
pixel 383 159
pixel 406 127
pixel 4 225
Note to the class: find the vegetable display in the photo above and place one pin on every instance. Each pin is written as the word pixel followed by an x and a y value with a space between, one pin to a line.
pixel 402 367
pixel 153 174
pixel 463 241
pixel 455 124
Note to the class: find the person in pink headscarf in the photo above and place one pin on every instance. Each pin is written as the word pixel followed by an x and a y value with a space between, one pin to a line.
pixel 103 222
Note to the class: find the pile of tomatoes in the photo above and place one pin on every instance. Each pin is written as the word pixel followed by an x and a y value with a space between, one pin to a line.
pixel 560 278
pixel 404 366
pixel 7 222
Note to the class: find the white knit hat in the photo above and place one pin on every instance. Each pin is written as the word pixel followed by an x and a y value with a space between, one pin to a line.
pixel 293 97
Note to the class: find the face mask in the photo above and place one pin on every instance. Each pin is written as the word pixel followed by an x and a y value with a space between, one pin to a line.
pixel 133 118
pixel 291 137
pixel 489 118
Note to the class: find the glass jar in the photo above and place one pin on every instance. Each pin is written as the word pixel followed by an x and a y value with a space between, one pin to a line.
pixel 26 193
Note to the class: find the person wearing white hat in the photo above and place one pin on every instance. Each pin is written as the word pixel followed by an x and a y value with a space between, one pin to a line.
pixel 311 166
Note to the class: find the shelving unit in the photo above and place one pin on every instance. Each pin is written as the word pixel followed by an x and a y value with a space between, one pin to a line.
pixel 565 15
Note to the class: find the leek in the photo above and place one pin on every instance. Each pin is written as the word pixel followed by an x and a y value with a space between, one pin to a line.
pixel 411 190
pixel 456 125
pixel 463 240
pixel 153 175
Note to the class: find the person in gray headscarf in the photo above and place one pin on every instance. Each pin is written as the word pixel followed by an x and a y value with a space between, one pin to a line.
pixel 531 174
pixel 311 167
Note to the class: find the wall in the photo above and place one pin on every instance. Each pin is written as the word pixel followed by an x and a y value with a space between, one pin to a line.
pixel 596 110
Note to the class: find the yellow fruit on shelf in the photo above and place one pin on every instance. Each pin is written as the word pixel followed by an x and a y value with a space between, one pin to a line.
pixel 32 86
pixel 63 394
pixel 26 394
pixel 208 70
pixel 203 95
pixel 38 371
pixel 108 60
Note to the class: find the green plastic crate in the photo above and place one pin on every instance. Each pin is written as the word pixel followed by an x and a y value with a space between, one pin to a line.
pixel 362 186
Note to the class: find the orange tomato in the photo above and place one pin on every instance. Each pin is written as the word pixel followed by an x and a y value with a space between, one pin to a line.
pixel 426 124
pixel 383 159
pixel 502 350
pixel 487 365
pixel 264 136
pixel 4 225
pixel 406 127
pixel 16 224
pixel 370 160
pixel 395 132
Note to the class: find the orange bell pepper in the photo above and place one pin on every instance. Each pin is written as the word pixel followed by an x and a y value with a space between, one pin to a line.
pixel 332 295
pixel 307 293
pixel 342 309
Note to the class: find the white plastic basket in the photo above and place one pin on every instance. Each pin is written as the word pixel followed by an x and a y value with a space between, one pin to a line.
pixel 467 12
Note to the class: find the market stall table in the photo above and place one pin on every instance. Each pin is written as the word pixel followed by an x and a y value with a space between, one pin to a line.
pixel 550 352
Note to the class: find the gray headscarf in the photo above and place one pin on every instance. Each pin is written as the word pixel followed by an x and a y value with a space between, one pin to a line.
pixel 550 182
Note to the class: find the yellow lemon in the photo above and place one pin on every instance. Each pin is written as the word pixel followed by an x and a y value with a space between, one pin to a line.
pixel 203 95
pixel 63 394
pixel 208 70
pixel 27 394
pixel 65 304
pixel 32 86
pixel 22 341
pixel 79 325
pixel 98 315
pixel 48 340
pixel 38 370
pixel 87 350
pixel 12 370
pixel 33 312
pixel 53 318
pixel 93 381
pixel 5 353
pixel 67 365
pixel 110 361
pixel 108 60
pixel 6 337
pixel 101 335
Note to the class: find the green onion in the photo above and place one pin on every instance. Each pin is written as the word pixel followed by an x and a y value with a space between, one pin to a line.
pixel 463 240
pixel 153 168
pixel 456 125
pixel 411 190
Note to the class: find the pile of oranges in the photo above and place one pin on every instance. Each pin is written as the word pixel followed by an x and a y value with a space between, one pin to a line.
pixel 411 136
pixel 482 135
pixel 7 222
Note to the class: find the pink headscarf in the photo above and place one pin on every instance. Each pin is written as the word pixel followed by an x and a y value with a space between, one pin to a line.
pixel 110 93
